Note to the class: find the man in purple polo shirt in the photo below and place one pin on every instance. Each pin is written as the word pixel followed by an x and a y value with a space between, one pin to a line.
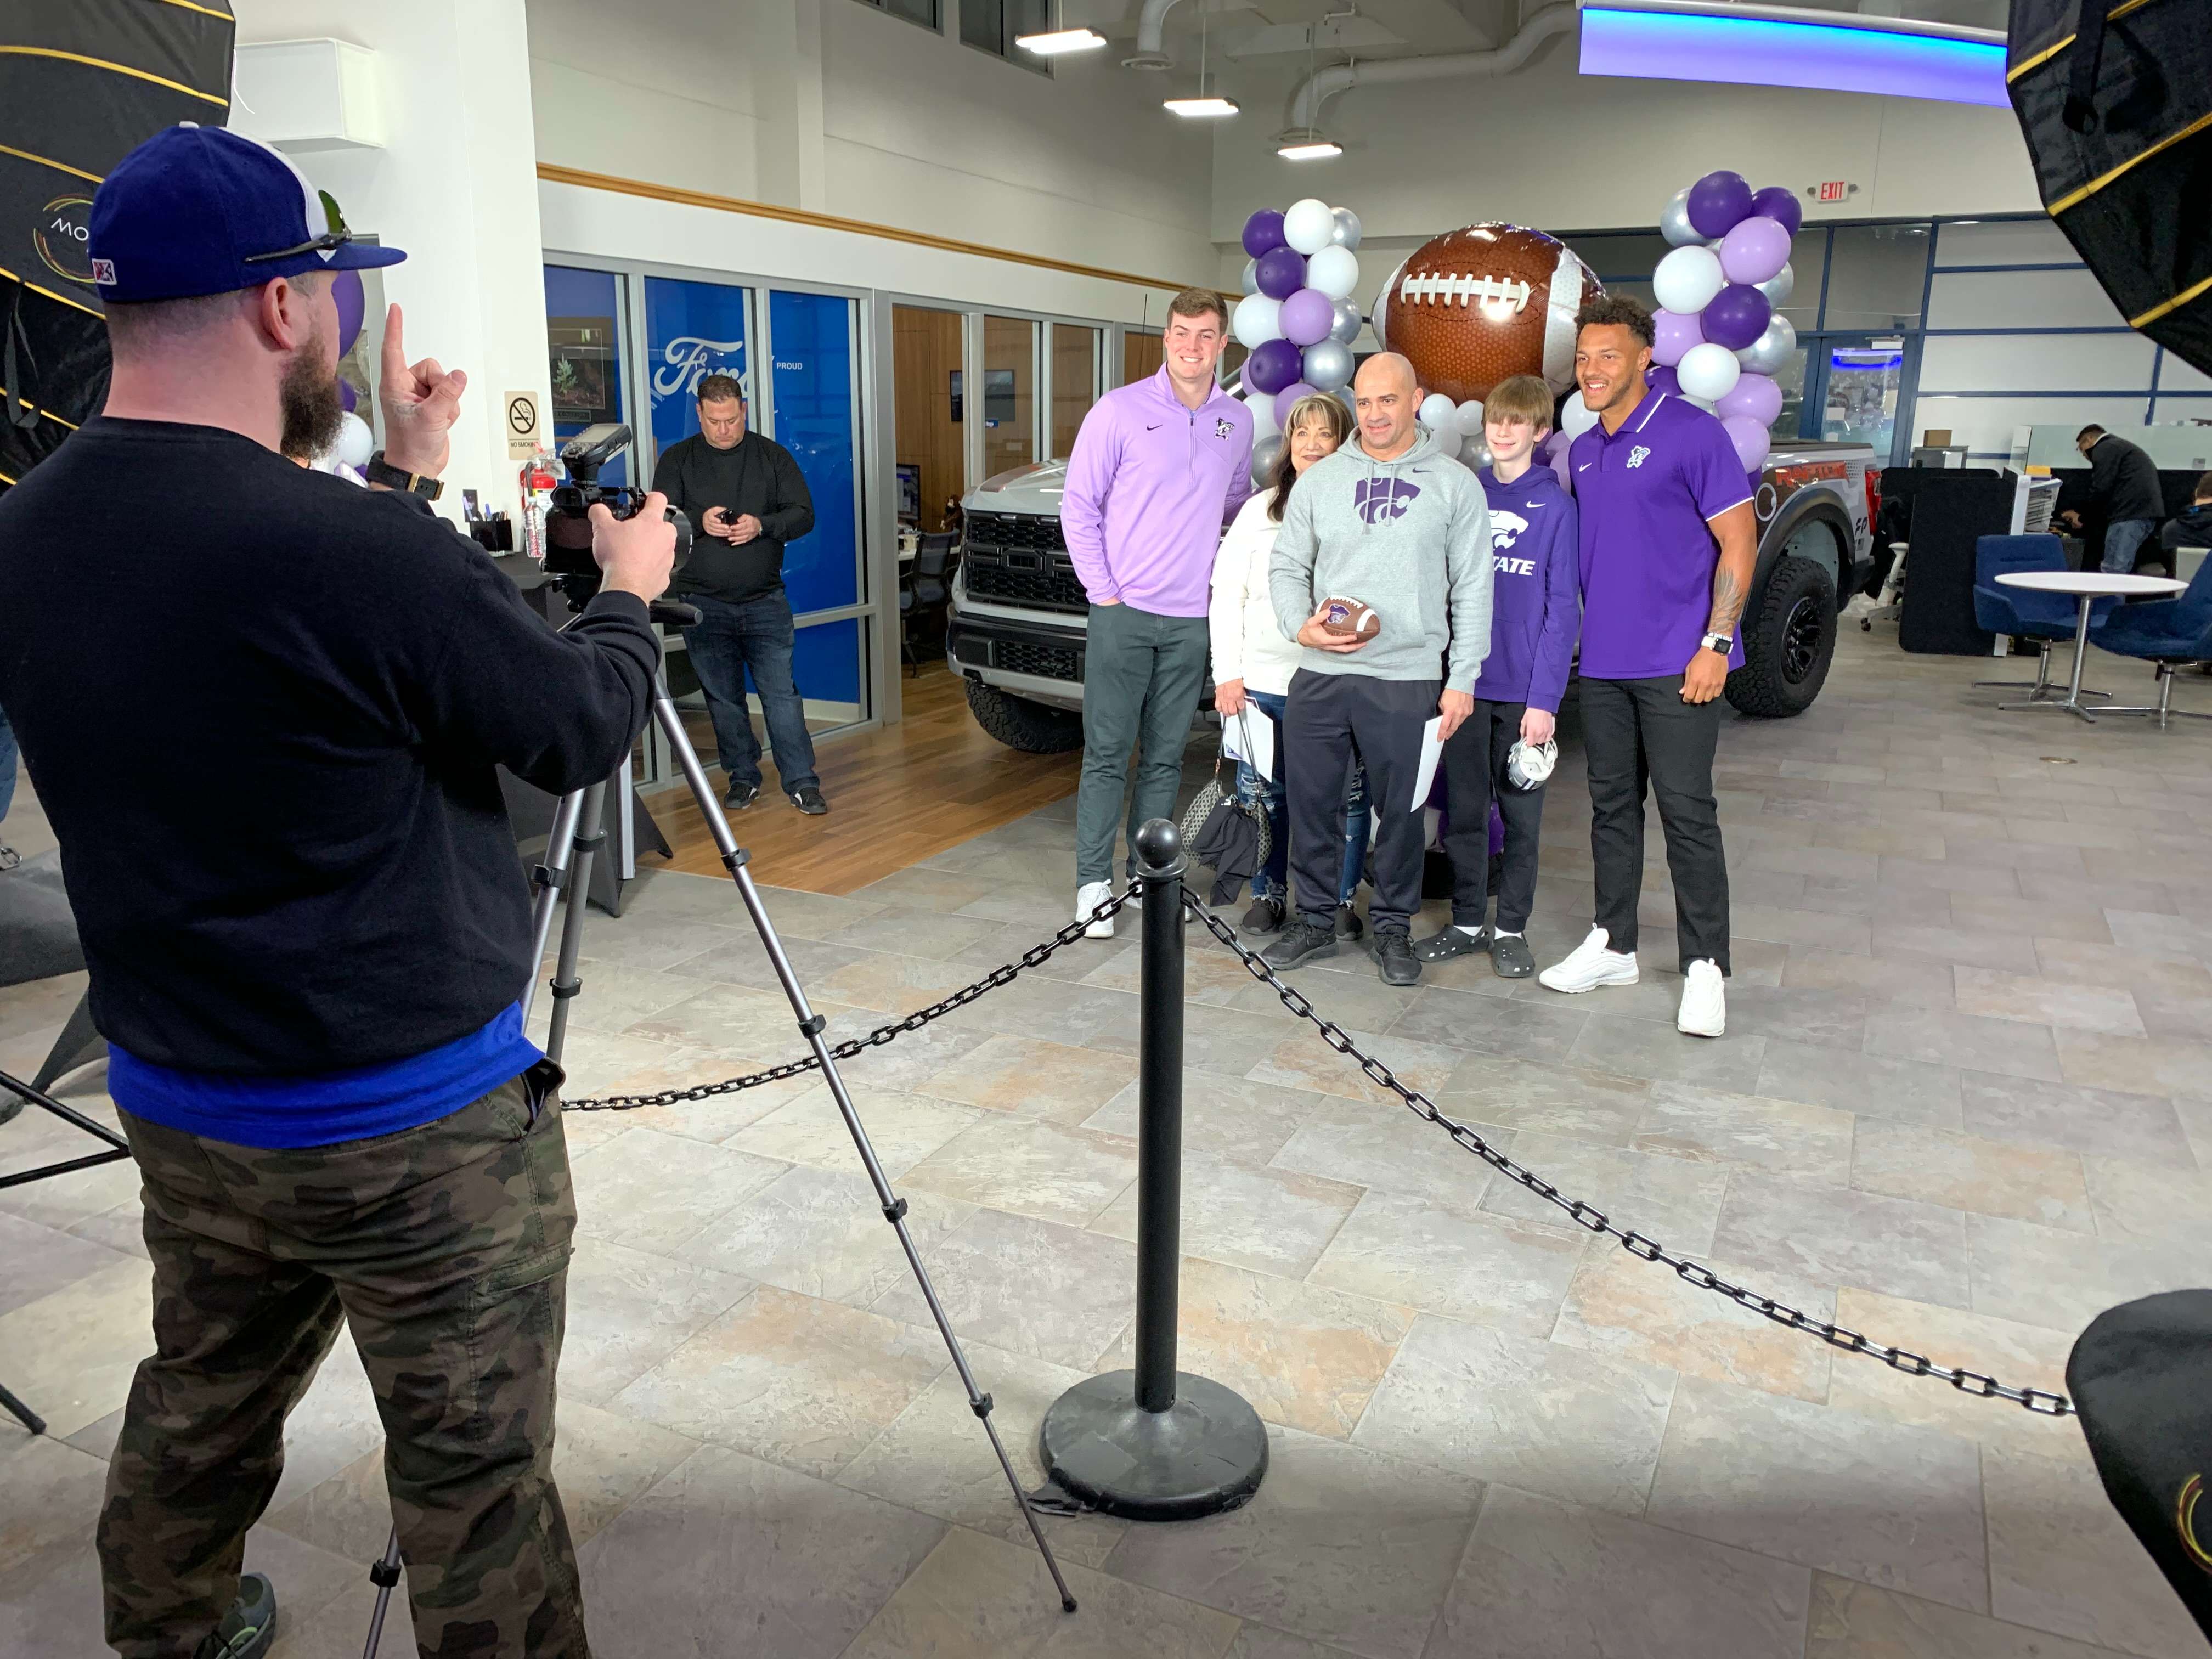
pixel 1159 468
pixel 1668 542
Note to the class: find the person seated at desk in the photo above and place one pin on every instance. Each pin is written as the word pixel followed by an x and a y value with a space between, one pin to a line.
pixel 2192 527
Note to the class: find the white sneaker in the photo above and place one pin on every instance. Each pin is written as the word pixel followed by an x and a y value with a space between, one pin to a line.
pixel 1089 898
pixel 1704 1002
pixel 1589 966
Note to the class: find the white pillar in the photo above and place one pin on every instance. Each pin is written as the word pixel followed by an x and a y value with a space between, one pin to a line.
pixel 455 184
pixel 787 103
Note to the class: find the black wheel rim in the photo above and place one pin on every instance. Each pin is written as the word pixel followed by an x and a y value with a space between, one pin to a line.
pixel 1800 641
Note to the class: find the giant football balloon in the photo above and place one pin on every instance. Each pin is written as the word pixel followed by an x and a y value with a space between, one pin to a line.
pixel 1478 305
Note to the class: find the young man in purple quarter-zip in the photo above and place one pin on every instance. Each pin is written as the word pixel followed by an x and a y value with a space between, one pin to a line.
pixel 1668 543
pixel 1160 467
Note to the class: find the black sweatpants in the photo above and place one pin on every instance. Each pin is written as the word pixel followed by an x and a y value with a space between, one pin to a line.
pixel 1637 732
pixel 1474 773
pixel 1328 718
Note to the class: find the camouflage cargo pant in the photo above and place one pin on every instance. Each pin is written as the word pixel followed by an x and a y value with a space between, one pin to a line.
pixel 445 1248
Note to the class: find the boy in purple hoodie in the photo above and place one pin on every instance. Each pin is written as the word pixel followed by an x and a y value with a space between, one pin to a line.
pixel 1159 468
pixel 1535 609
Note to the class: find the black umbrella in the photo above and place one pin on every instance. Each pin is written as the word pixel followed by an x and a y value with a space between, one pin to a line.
pixel 2115 98
pixel 81 85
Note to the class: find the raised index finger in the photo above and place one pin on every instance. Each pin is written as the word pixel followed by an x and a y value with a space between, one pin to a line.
pixel 395 353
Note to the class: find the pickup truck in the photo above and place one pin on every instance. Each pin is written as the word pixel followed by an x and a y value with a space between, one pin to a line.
pixel 1015 630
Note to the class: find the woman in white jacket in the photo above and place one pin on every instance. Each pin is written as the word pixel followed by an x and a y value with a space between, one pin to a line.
pixel 1252 662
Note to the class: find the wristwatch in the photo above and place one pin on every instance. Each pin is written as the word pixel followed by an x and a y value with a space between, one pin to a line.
pixel 381 471
pixel 1720 642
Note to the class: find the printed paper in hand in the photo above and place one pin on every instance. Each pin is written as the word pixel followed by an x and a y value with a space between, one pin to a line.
pixel 1432 748
pixel 1253 729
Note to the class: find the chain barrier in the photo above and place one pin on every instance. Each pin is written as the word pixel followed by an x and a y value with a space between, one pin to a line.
pixel 1035 957
pixel 1589 1216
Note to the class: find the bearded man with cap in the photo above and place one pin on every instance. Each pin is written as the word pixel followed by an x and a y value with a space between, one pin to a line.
pixel 305 923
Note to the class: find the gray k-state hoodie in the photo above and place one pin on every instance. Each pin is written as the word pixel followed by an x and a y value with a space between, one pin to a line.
pixel 1408 539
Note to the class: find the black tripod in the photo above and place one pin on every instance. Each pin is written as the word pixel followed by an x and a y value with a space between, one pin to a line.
pixel 565 875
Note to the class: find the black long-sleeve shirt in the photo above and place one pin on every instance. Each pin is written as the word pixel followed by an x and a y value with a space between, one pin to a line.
pixel 2124 481
pixel 756 475
pixel 262 708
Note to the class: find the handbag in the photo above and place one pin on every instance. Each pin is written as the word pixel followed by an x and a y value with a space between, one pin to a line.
pixel 1229 835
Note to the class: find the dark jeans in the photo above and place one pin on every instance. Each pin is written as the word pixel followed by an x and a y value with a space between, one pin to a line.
pixel 2124 540
pixel 1332 722
pixel 726 641
pixel 1640 732
pixel 1141 678
pixel 1268 794
pixel 1474 775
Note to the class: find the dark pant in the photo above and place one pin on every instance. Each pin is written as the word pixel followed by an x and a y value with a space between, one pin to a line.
pixel 1331 722
pixel 1272 880
pixel 445 1250
pixel 726 641
pixel 1637 732
pixel 2124 540
pixel 1474 775
pixel 1141 677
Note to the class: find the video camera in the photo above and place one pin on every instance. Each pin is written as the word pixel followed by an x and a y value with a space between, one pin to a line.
pixel 567 524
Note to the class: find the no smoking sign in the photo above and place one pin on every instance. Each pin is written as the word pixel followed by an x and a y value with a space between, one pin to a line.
pixel 523 425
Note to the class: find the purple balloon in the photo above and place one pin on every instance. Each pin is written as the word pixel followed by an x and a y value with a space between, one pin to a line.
pixel 1662 378
pixel 1263 233
pixel 1780 203
pixel 1754 396
pixel 1750 439
pixel 1286 400
pixel 345 289
pixel 1281 272
pixel 347 396
pixel 1272 366
pixel 1562 459
pixel 1736 316
pixel 1307 316
pixel 1673 333
pixel 1717 202
pixel 1755 250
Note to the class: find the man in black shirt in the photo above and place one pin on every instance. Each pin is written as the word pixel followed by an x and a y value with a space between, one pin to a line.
pixel 304 918
pixel 745 495
pixel 2123 483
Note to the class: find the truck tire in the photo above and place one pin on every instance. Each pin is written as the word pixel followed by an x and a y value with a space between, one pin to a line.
pixel 1020 724
pixel 1787 644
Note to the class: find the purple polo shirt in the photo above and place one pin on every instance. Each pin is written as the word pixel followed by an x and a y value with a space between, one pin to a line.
pixel 1646 494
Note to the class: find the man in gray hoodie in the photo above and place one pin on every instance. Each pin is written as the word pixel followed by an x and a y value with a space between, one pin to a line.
pixel 1392 522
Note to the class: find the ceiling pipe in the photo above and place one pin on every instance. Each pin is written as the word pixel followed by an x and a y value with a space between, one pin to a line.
pixel 1318 89
pixel 1151 38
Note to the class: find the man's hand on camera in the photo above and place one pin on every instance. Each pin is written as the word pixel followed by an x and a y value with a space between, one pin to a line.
pixel 421 402
pixel 743 528
pixel 637 554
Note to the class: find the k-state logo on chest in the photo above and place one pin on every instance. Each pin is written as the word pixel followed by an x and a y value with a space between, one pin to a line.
pixel 1222 428
pixel 1377 499
pixel 1505 529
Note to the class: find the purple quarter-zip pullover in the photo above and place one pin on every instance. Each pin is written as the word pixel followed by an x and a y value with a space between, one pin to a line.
pixel 1150 487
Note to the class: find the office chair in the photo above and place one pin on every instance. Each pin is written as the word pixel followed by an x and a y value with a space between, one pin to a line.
pixel 924 584
pixel 2023 613
pixel 2170 633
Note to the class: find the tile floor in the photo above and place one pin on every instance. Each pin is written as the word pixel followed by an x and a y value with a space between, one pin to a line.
pixel 1964 1104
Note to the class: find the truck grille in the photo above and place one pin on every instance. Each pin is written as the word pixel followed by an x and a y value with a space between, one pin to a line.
pixel 1018 558
pixel 1051 662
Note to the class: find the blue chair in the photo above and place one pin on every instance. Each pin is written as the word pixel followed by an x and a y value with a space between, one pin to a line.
pixel 2168 632
pixel 2023 612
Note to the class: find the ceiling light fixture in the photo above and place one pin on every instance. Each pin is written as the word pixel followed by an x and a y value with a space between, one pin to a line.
pixel 1055 41
pixel 1307 143
pixel 1202 107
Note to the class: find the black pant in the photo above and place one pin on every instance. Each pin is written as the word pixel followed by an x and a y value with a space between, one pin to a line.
pixel 1474 772
pixel 1328 718
pixel 1637 732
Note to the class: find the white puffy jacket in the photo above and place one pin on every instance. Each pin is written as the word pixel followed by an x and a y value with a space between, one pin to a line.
pixel 1248 645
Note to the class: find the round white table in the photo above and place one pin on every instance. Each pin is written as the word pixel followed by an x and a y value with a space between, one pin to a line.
pixel 2087 586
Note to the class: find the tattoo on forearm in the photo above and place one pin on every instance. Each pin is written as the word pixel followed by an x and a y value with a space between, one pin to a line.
pixel 1727 602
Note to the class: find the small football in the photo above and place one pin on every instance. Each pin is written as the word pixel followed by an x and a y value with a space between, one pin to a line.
pixel 1473 306
pixel 1349 619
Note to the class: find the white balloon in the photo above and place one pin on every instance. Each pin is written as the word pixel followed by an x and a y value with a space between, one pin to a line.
pixel 1770 350
pixel 1439 413
pixel 1776 288
pixel 1249 281
pixel 354 441
pixel 1263 406
pixel 1687 279
pixel 1328 364
pixel 1258 320
pixel 1447 439
pixel 1704 404
pixel 1674 221
pixel 1347 233
pixel 1708 372
pixel 1576 416
pixel 1470 419
pixel 1334 271
pixel 1348 322
pixel 1309 226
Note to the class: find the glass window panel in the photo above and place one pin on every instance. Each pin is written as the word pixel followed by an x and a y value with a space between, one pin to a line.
pixel 983 23
pixel 995 25
pixel 812 335
pixel 1074 382
pixel 1808 252
pixel 825 661
pixel 1789 426
pixel 583 341
pixel 1618 256
pixel 1863 387
pixel 1009 409
pixel 692 330
pixel 1143 351
pixel 923 12
pixel 1876 277
pixel 925 346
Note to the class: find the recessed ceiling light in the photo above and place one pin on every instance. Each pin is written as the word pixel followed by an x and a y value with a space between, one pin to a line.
pixel 1053 42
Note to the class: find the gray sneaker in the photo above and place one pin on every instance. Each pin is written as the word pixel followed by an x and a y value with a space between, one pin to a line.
pixel 249 1627
pixel 1510 956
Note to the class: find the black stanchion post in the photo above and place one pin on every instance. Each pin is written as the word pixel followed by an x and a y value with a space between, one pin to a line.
pixel 1155 1443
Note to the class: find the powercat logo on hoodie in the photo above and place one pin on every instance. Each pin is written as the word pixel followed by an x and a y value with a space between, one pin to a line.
pixel 1377 499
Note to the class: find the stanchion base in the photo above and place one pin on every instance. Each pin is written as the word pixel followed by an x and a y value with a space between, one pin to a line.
pixel 1204 1454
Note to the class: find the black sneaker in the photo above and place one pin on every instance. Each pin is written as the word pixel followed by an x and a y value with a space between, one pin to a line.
pixel 808 799
pixel 1301 942
pixel 1348 924
pixel 1394 955
pixel 1265 916
pixel 1452 941
pixel 9 858
pixel 741 796
pixel 1509 956
pixel 249 1627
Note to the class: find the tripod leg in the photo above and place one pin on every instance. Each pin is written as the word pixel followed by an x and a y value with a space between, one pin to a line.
pixel 590 832
pixel 810 1025
pixel 384 1575
pixel 551 878
pixel 29 1418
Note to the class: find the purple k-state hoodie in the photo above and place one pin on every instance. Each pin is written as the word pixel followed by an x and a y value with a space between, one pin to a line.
pixel 1535 603
pixel 1150 487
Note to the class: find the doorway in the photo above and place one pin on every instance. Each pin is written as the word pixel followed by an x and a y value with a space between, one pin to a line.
pixel 926 431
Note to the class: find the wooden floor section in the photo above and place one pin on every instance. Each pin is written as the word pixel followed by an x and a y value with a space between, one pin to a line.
pixel 897 794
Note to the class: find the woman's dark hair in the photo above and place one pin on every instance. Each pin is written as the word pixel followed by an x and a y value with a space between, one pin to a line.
pixel 1281 476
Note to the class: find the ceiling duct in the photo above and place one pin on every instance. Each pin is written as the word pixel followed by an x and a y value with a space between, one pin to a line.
pixel 1151 38
pixel 1318 89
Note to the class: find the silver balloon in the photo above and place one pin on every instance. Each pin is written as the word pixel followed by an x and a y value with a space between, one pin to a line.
pixel 1479 456
pixel 1674 221
pixel 1767 353
pixel 1328 364
pixel 1250 282
pixel 1348 321
pixel 1776 288
pixel 1343 395
pixel 1263 456
pixel 1347 233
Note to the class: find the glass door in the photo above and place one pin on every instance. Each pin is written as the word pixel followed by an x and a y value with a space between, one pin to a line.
pixel 1854 384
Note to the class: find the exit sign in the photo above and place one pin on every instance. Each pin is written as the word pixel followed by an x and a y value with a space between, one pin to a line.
pixel 1831 190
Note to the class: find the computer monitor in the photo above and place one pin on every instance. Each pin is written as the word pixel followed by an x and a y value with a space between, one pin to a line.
pixel 910 493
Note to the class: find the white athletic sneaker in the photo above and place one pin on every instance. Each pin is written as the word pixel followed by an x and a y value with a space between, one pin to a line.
pixel 1704 1002
pixel 1589 965
pixel 1089 898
